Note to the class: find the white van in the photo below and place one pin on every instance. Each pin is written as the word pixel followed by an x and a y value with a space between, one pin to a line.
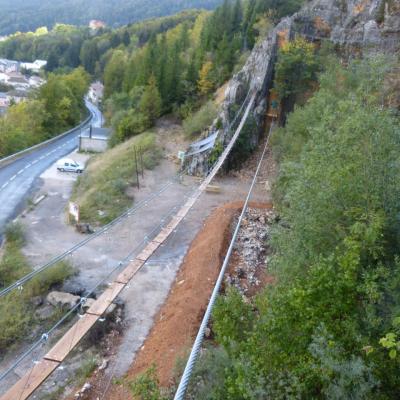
pixel 68 165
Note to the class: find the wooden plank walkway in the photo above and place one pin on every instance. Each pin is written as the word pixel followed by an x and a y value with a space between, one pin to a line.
pixel 57 354
pixel 31 381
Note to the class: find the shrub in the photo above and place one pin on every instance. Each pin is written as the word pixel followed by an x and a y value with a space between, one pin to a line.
pixel 146 386
pixel 50 278
pixel 15 319
pixel 15 233
pixel 101 191
pixel 200 120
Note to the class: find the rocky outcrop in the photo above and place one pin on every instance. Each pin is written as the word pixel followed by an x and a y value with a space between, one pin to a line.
pixel 62 299
pixel 367 25
pixel 356 25
pixel 255 76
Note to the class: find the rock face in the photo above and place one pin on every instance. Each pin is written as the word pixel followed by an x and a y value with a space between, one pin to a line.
pixel 62 299
pixel 357 25
pixel 367 25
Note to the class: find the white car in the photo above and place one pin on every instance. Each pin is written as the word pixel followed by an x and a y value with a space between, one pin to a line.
pixel 68 165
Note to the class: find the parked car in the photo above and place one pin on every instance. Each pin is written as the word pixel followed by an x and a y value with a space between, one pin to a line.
pixel 68 165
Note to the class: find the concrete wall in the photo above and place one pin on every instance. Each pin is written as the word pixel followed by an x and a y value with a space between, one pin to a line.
pixel 95 145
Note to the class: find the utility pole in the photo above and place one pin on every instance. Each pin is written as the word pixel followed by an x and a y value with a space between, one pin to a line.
pixel 137 168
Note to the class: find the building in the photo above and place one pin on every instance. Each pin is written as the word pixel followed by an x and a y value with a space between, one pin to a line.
pixel 96 24
pixel 16 96
pixel 35 66
pixel 18 81
pixel 8 66
pixel 36 81
pixel 96 91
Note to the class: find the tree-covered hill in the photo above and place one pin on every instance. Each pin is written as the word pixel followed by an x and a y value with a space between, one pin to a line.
pixel 26 15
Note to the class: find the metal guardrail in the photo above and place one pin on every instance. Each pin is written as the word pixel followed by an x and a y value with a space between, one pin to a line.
pixel 6 160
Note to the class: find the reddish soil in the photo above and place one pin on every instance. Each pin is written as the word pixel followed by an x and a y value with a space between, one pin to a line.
pixel 178 320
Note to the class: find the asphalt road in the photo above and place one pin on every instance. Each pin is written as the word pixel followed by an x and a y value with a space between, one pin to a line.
pixel 17 178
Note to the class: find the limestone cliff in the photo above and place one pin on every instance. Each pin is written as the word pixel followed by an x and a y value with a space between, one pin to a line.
pixel 356 25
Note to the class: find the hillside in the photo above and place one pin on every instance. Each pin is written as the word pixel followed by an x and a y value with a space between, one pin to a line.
pixel 27 15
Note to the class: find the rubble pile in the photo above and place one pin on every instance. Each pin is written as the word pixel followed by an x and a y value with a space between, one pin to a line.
pixel 251 250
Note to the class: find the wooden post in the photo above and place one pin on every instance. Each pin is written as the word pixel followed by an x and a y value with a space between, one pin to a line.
pixel 141 161
pixel 137 169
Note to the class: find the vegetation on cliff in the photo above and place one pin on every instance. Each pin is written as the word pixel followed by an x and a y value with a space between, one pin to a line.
pixel 316 333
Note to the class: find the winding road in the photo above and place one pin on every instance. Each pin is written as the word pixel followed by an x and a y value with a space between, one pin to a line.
pixel 17 177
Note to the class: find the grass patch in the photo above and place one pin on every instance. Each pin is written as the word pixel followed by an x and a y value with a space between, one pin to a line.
pixel 16 310
pixel 200 120
pixel 85 370
pixel 101 191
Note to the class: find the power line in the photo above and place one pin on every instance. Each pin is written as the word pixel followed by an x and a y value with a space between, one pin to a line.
pixel 104 229
pixel 45 336
pixel 180 393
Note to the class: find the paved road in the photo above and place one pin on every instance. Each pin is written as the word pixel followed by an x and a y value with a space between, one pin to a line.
pixel 17 178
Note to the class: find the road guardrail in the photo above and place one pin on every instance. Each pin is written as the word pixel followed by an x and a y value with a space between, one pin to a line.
pixel 6 160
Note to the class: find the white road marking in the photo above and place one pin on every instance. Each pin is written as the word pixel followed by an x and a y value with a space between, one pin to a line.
pixel 20 172
pixel 12 178
pixel 4 185
pixel 34 162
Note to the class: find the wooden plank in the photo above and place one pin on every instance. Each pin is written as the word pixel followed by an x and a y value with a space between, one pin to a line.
pixel 31 380
pixel 107 297
pixel 174 222
pixel 163 235
pixel 62 348
pixel 129 272
pixel 183 211
pixel 213 189
pixel 192 200
pixel 148 251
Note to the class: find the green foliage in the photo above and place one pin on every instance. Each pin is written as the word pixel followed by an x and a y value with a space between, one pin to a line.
pixel 16 310
pixel 15 320
pixel 128 124
pixel 195 123
pixel 51 278
pixel 85 370
pixel 14 233
pixel 146 386
pixel 215 153
pixel 101 191
pixel 55 107
pixel 296 68
pixel 150 102
pixel 232 318
pixel 19 15
pixel 207 382
pixel 325 329
pixel 244 145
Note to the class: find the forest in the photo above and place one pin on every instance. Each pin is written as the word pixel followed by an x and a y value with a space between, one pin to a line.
pixel 57 106
pixel 170 64
pixel 28 15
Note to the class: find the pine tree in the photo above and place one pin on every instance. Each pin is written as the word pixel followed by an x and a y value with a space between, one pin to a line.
pixel 205 83
pixel 151 103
